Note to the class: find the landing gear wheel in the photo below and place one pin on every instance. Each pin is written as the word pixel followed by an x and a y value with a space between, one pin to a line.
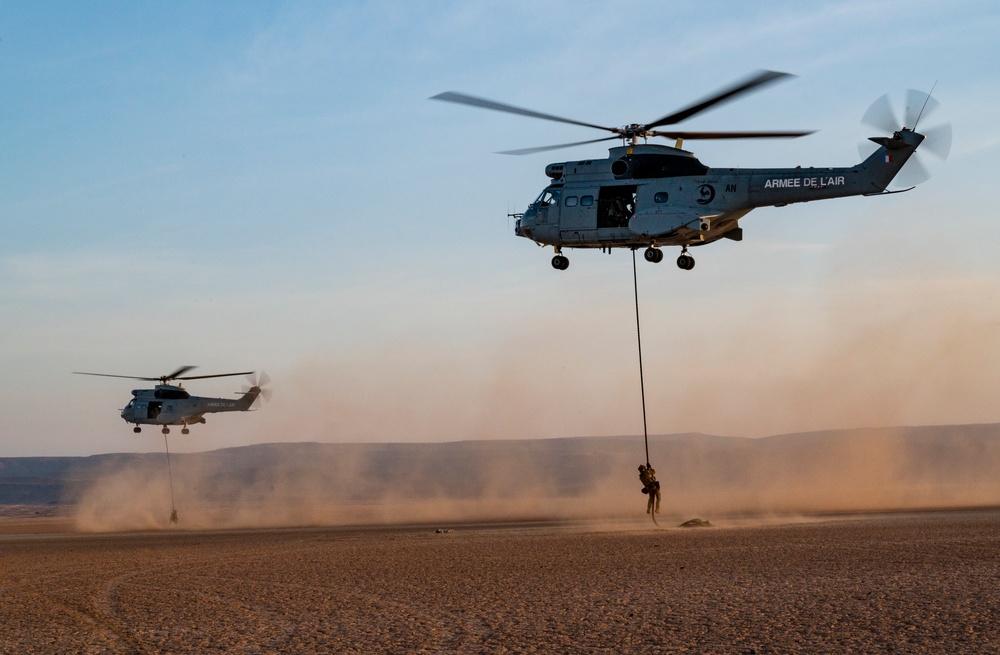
pixel 137 429
pixel 560 263
pixel 654 255
pixel 185 431
pixel 165 430
pixel 685 262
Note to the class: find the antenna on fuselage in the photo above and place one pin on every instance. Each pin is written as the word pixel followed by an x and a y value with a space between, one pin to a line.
pixel 927 99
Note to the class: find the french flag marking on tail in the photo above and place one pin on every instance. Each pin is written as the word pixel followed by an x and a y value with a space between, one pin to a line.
pixel 887 159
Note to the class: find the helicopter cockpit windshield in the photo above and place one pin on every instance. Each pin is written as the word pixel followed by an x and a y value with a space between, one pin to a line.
pixel 550 196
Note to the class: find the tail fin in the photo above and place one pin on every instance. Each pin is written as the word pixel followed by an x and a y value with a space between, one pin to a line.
pixel 883 164
pixel 247 400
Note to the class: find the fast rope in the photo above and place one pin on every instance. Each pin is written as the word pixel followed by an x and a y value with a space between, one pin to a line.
pixel 170 476
pixel 638 338
pixel 652 506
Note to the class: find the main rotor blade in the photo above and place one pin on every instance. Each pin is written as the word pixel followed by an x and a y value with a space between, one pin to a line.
pixel 108 375
pixel 529 151
pixel 462 99
pixel 202 377
pixel 726 94
pixel 181 371
pixel 730 135
pixel 166 378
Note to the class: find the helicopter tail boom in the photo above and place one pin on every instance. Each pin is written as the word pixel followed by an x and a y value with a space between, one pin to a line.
pixel 779 187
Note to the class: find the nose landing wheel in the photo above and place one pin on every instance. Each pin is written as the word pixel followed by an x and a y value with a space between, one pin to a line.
pixel 560 262
pixel 137 429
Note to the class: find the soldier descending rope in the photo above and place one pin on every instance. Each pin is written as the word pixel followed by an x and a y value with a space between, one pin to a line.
pixel 647 475
pixel 650 486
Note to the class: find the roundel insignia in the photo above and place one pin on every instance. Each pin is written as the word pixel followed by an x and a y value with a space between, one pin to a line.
pixel 706 194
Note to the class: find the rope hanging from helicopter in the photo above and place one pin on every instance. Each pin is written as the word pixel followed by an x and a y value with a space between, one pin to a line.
pixel 638 338
pixel 170 477
pixel 646 473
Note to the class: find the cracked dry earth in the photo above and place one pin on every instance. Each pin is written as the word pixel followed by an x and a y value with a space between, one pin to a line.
pixel 905 583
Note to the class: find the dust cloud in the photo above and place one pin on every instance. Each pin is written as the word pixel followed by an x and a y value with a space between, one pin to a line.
pixel 857 352
pixel 586 479
pixel 378 435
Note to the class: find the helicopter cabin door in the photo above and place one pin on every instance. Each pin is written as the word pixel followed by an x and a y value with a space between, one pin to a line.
pixel 616 204
pixel 578 215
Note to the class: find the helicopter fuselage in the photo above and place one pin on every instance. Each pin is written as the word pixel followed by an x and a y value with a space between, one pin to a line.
pixel 172 405
pixel 652 195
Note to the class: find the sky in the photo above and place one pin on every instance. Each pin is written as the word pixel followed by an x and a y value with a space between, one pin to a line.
pixel 266 186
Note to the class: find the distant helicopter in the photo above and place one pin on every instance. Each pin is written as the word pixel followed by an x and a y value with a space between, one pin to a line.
pixel 646 195
pixel 168 404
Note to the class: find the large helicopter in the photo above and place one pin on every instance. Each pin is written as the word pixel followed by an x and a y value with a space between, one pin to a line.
pixel 646 195
pixel 169 404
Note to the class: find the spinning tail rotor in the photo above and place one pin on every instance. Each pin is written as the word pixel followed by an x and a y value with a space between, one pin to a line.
pixel 258 381
pixel 919 105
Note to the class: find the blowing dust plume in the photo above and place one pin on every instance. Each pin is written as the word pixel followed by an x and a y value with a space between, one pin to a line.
pixel 306 484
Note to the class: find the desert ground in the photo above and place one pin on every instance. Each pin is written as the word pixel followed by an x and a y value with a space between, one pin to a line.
pixel 916 582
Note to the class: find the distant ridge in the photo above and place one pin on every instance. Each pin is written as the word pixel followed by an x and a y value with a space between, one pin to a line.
pixel 34 480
